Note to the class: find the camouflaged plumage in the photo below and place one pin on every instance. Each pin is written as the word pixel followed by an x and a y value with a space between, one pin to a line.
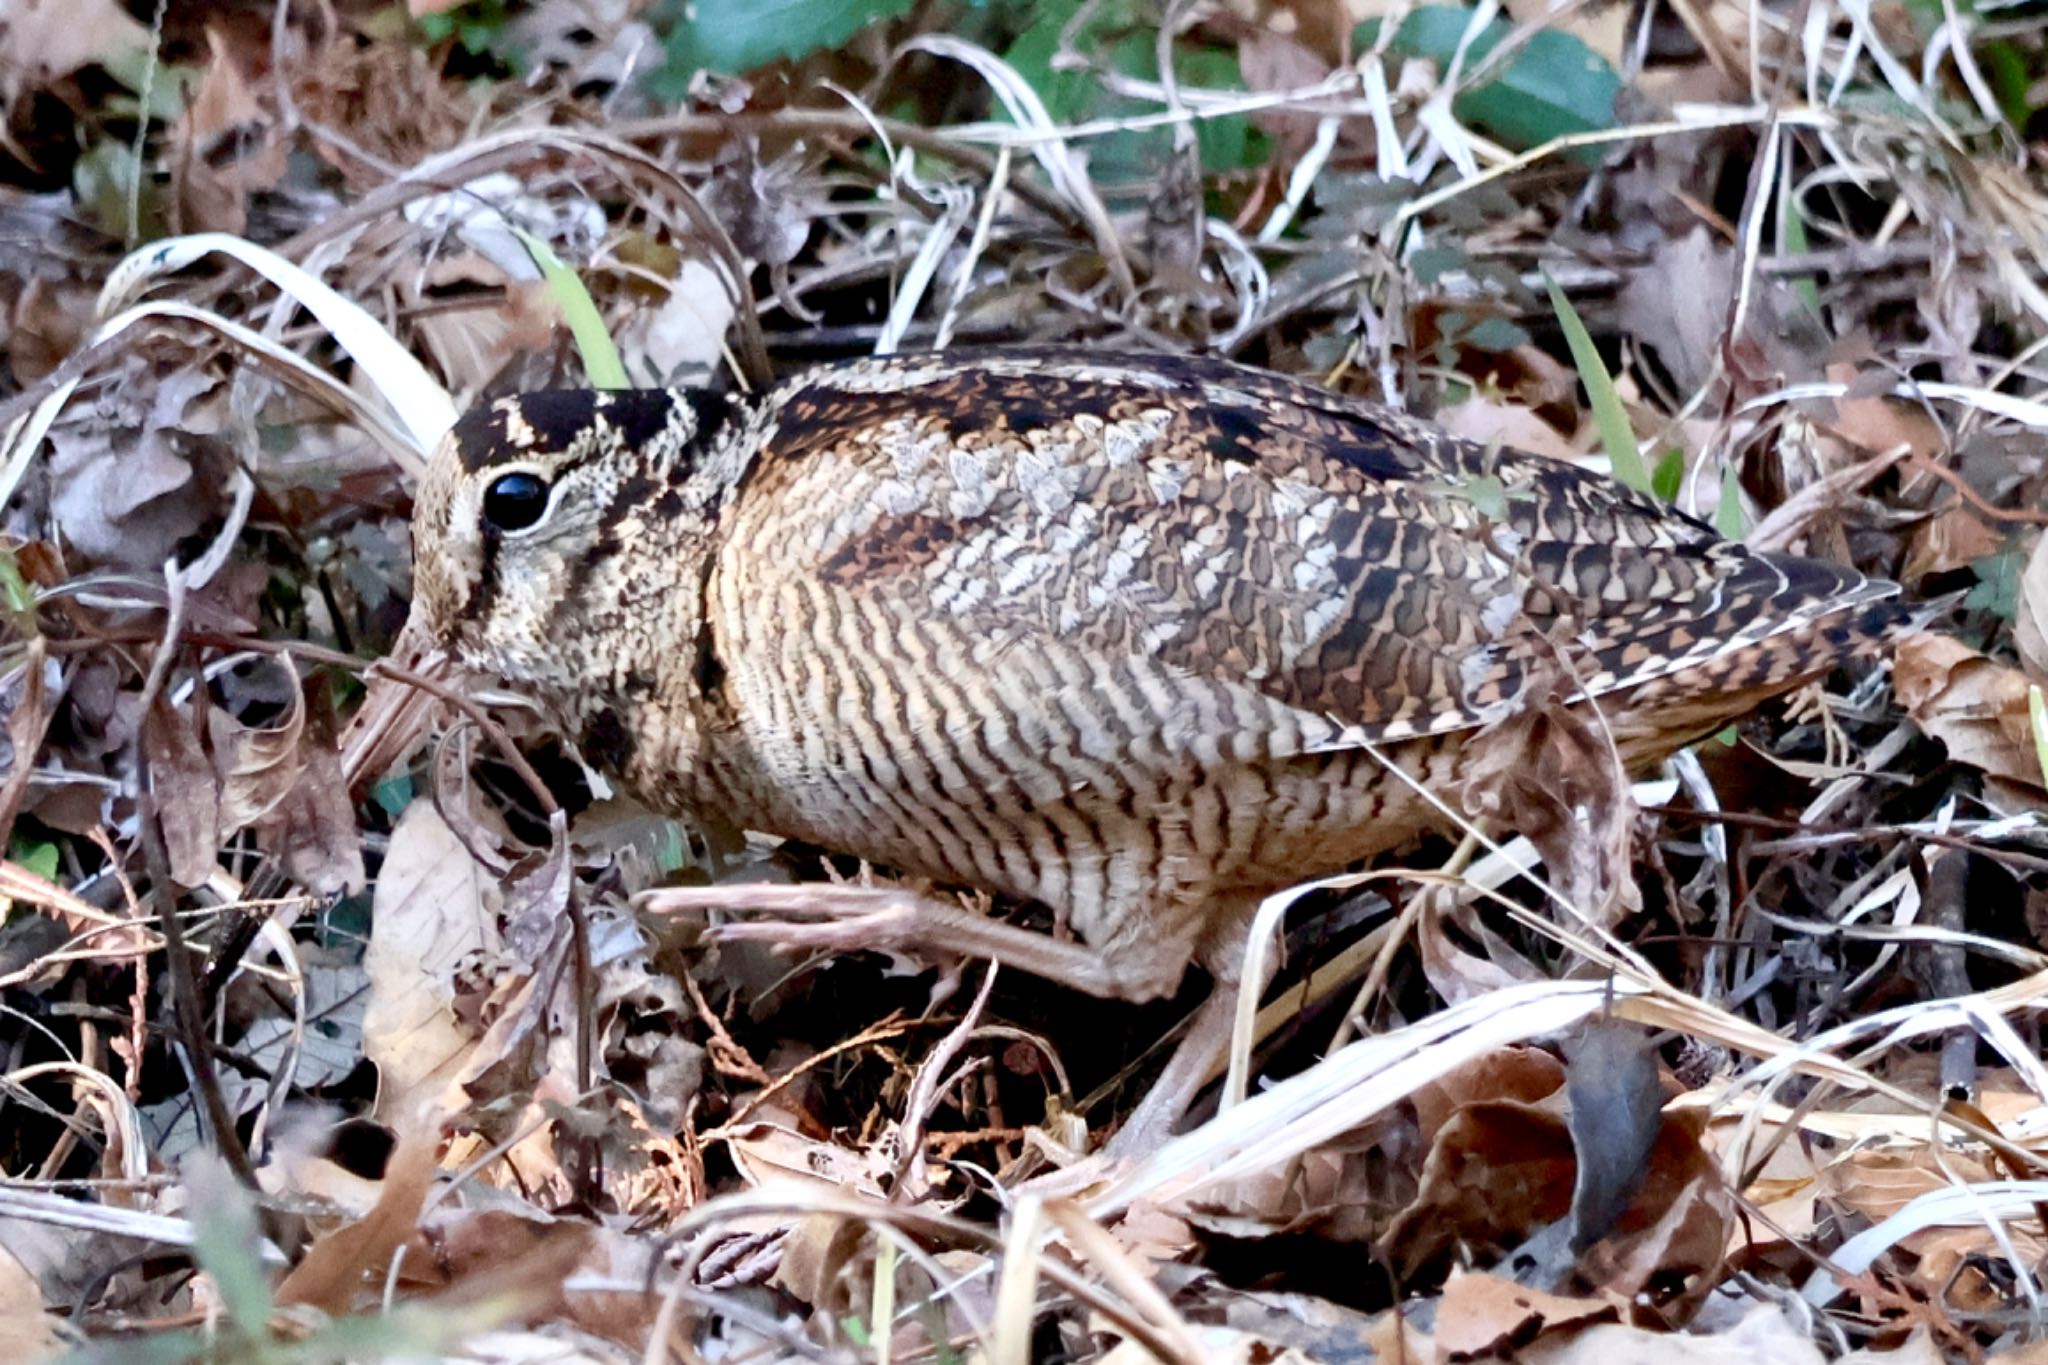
pixel 1136 637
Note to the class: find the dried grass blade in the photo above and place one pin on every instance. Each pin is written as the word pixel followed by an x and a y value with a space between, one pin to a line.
pixel 420 401
pixel 1029 112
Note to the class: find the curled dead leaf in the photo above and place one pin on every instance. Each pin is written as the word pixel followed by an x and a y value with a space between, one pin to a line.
pixel 429 916
pixel 225 147
pixel 313 830
pixel 1976 706
pixel 1552 774
pixel 254 730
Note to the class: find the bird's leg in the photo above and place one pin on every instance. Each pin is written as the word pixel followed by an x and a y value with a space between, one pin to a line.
pixel 848 919
pixel 1153 1122
pixel 1226 954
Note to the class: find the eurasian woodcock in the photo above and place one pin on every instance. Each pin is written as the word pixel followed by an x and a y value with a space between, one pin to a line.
pixel 1134 637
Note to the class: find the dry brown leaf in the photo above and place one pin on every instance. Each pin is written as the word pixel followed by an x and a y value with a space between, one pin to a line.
pixel 1974 705
pixel 28 1332
pixel 1452 971
pixel 472 346
pixel 771 1154
pixel 1917 1349
pixel 1679 302
pixel 1528 1075
pixel 258 763
pixel 1496 1173
pixel 1394 1336
pixel 48 39
pixel 431 912
pixel 686 334
pixel 1953 539
pixel 338 1265
pixel 1271 61
pixel 187 794
pixel 1685 1244
pixel 1488 420
pixel 1341 1191
pixel 1951 1264
pixel 518 1252
pixel 1877 1184
pixel 1879 423
pixel 313 830
pixel 28 697
pixel 1551 773
pixel 1603 28
pixel 1219 1346
pixel 48 322
pixel 225 147
pixel 1764 1335
pixel 1481 1315
pixel 121 478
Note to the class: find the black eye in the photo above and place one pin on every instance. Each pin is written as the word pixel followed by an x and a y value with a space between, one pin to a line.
pixel 514 502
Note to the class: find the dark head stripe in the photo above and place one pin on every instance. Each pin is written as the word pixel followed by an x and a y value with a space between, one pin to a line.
pixel 551 420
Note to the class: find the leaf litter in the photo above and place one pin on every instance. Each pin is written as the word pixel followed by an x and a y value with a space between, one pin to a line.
pixel 338 1028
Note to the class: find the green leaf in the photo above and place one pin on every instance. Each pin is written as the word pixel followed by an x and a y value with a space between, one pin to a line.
pixel 1552 87
pixel 1496 334
pixel 601 363
pixel 1797 244
pixel 393 794
pixel 1117 36
pixel 883 1311
pixel 1728 515
pixel 735 36
pixel 37 856
pixel 1431 263
pixel 2006 67
pixel 1489 494
pixel 1998 585
pixel 1617 438
pixel 1669 474
pixel 17 598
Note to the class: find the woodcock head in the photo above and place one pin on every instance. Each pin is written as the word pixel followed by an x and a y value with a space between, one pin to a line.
pixel 557 531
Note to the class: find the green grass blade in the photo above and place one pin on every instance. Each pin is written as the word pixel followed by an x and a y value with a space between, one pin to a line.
pixel 1728 517
pixel 601 363
pixel 1617 438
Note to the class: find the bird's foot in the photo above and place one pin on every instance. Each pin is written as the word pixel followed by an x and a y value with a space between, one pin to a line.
pixel 824 918
pixel 845 919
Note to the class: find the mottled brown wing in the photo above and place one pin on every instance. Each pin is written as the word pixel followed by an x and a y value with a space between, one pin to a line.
pixel 1336 556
